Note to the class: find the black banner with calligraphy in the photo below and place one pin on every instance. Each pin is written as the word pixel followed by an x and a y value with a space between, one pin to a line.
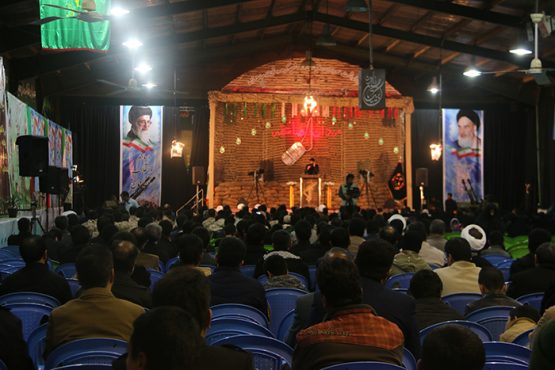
pixel 371 89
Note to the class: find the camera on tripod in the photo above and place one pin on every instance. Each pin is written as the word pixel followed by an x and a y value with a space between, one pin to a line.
pixel 366 173
pixel 257 173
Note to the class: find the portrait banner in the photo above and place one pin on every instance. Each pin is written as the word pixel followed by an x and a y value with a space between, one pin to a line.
pixel 141 153
pixel 463 154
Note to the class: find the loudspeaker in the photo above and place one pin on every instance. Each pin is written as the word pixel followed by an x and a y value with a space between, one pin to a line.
pixel 55 181
pixel 199 175
pixel 268 167
pixel 421 176
pixel 33 155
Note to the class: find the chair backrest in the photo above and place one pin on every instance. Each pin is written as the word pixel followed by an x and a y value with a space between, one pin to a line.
pixel 506 271
pixel 458 301
pixel 281 301
pixel 223 327
pixel 492 318
pixel 262 279
pixel 495 259
pixel 478 329
pixel 401 290
pixel 364 365
pixel 523 339
pixel 248 270
pixel 312 275
pixel 14 262
pixel 171 262
pixel 240 311
pixel 30 315
pixel 67 270
pixel 268 353
pixel 86 351
pixel 154 277
pixel 399 281
pixel 285 325
pixel 495 325
pixel 507 352
pixel 506 263
pixel 29 297
pixel 36 344
pixel 504 366
pixel 408 360
pixel 84 367
pixel 74 286
pixel 533 299
pixel 10 252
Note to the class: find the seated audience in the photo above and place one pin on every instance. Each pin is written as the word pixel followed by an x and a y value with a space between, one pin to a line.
pixel 13 351
pixel 435 238
pixel 493 288
pixel 24 228
pixel 352 330
pixel 165 243
pixel 303 232
pixel 536 279
pixel 339 238
pixel 432 255
pixel 256 233
pixel 390 235
pixel 124 287
pixel 496 245
pixel 278 277
pixel 201 232
pixel 476 238
pixel 154 234
pixel 80 236
pixel 35 276
pixel 537 237
pixel 357 226
pixel 190 252
pixel 452 347
pixel 164 338
pixel 408 259
pixel 144 259
pixel 543 356
pixel 96 313
pixel 228 284
pixel 425 287
pixel 316 250
pixel 461 275
pixel 54 245
pixel 521 319
pixel 62 223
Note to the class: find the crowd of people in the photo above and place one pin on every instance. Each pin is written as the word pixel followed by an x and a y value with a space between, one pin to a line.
pixel 351 316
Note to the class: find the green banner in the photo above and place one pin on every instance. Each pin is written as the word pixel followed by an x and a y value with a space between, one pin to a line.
pixel 72 32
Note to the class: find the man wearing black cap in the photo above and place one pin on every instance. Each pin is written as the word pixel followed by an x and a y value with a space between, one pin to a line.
pixel 312 168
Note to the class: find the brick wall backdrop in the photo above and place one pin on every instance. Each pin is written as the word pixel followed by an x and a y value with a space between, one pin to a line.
pixel 249 129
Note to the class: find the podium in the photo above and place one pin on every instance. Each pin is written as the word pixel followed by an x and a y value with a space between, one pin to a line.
pixel 310 191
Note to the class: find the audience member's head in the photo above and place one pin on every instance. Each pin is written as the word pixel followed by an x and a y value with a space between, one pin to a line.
pixel 33 249
pixel 491 280
pixel 458 249
pixel 230 229
pixel 256 234
pixel 80 235
pixel 61 222
pixel 537 237
pixel 390 234
pixel 190 249
pixel 140 235
pixel 187 288
pixel 124 235
pixel 545 254
pixel 107 233
pixel 167 228
pixel 303 231
pixel 374 259
pixel 95 267
pixel 203 234
pixel 24 226
pixel 153 231
pixel 281 240
pixel 339 283
pixel 231 252
pixel 496 239
pixel 543 356
pixel 412 241
pixel 143 221
pixel 425 284
pixel 164 338
pixel 125 253
pixel 275 265
pixel 437 227
pixel 340 237
pixel 357 227
pixel 524 311
pixel 452 347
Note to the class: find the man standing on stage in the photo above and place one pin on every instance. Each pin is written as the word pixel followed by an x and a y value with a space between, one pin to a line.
pixel 349 192
pixel 312 168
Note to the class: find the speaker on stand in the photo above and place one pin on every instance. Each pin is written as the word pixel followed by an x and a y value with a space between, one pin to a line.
pixel 421 177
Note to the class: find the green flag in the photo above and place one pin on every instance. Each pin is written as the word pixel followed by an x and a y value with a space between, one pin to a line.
pixel 72 32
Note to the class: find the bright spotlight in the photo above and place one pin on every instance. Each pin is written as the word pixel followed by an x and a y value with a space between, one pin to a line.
pixel 118 11
pixel 149 85
pixel 132 44
pixel 143 68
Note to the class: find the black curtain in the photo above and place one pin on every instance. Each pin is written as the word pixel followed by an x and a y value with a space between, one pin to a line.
pixel 201 129
pixel 95 147
pixel 546 146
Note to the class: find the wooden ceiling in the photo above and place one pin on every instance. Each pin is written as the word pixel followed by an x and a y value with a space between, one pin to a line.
pixel 209 42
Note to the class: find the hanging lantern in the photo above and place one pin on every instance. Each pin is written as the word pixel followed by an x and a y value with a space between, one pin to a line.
pixel 222 149
pixel 177 149
pixel 238 141
pixel 435 151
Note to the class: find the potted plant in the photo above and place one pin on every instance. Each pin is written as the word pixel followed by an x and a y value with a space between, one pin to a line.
pixel 12 208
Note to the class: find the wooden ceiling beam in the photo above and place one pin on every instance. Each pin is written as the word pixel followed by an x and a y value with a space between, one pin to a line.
pixel 392 45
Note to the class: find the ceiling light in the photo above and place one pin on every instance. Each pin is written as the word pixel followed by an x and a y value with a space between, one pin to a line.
pixel 520 51
pixel 149 85
pixel 356 6
pixel 118 11
pixel 434 87
pixel 132 44
pixel 326 38
pixel 143 68
pixel 472 72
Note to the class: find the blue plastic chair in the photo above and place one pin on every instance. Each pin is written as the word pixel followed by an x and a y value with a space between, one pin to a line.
pixel 86 351
pixel 84 367
pixel 301 278
pixel 13 250
pixel 495 260
pixel 506 271
pixel 408 360
pixel 14 262
pixel 239 311
pixel 504 366
pixel 74 286
pixel 523 339
pixel 262 279
pixel 478 329
pixel 223 327
pixel 401 290
pixel 507 352
pixel 281 301
pixel 312 275
pixel 505 263
pixel 364 365
pixel 6 271
pixel 492 318
pixel 248 270
pixel 458 301
pixel 399 281
pixel 35 345
pixel 285 325
pixel 533 299
pixel 3 365
pixel 29 297
pixel 67 270
pixel 30 314
pixel 268 353
pixel 154 277
pixel 171 262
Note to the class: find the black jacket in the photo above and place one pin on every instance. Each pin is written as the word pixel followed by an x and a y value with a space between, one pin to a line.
pixel 489 300
pixel 13 349
pixel 525 263
pixel 126 288
pixel 293 265
pixel 35 277
pixel 535 280
pixel 431 311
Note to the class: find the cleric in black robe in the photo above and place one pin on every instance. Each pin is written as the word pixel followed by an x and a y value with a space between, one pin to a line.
pixel 312 168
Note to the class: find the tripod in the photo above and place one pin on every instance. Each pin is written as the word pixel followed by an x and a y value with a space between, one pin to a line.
pixel 257 187
pixel 366 175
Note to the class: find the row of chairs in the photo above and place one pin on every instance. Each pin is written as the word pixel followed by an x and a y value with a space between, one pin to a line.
pixel 372 365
